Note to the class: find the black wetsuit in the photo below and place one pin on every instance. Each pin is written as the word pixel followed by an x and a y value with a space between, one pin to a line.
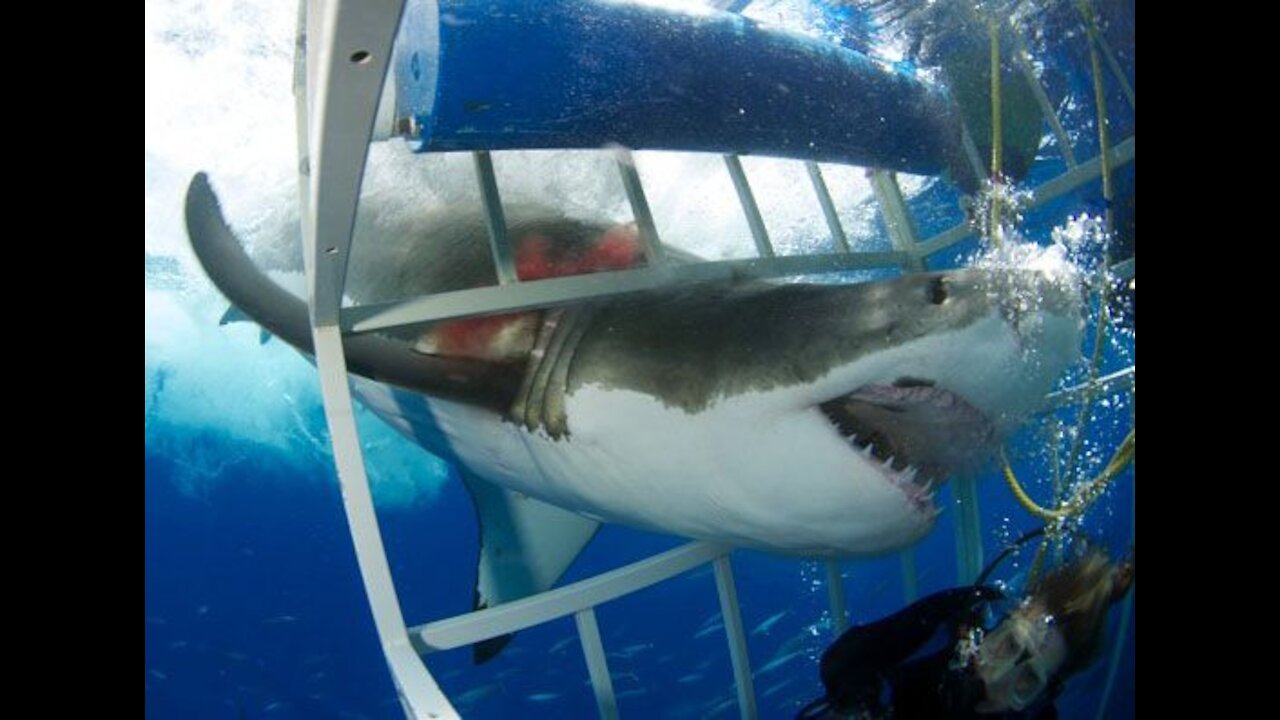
pixel 858 664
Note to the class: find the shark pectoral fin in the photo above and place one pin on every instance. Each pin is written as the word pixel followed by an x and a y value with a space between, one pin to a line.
pixel 525 546
pixel 235 315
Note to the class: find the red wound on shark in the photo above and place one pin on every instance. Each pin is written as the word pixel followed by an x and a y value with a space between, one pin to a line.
pixel 539 257
pixel 509 337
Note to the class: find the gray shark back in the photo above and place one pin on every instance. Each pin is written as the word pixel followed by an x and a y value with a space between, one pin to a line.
pixel 691 347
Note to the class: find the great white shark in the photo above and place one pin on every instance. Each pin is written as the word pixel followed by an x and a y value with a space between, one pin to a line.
pixel 803 419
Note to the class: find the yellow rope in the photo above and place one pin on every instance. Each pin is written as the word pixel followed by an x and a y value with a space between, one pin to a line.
pixel 1100 100
pixel 997 136
pixel 1082 497
pixel 1078 503
pixel 1104 310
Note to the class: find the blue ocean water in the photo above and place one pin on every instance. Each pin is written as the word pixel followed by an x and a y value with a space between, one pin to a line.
pixel 253 602
pixel 254 606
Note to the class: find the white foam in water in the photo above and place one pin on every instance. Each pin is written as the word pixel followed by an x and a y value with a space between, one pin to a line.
pixel 217 79
pixel 218 83
pixel 1018 253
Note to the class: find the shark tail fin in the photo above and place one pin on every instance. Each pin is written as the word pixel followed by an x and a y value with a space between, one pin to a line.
pixel 525 546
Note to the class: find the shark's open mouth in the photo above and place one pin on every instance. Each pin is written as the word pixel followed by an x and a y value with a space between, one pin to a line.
pixel 916 433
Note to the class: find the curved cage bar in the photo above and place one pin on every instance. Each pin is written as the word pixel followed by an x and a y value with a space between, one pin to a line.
pixel 436 98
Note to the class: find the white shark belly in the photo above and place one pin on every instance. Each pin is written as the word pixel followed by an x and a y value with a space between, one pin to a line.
pixel 733 473
pixel 630 460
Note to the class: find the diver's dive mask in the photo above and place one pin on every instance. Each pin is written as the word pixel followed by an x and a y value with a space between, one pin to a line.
pixel 1018 658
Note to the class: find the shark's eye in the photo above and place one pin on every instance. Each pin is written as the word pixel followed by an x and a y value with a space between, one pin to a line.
pixel 937 291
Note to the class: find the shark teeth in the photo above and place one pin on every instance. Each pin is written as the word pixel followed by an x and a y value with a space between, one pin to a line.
pixel 908 480
pixel 921 496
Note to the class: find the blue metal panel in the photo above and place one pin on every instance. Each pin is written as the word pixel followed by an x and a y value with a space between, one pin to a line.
pixel 581 74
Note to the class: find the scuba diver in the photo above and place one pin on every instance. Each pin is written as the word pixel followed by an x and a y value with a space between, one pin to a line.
pixel 1013 671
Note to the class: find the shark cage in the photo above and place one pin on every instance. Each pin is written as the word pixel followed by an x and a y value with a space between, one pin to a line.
pixel 484 78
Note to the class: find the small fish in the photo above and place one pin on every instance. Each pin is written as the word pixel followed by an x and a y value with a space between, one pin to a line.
pixel 793 644
pixel 773 689
pixel 777 662
pixel 708 630
pixel 156 620
pixel 157 674
pixel 277 705
pixel 721 706
pixel 713 617
pixel 475 694
pixel 561 644
pixel 769 622
pixel 690 678
pixel 630 651
pixel 543 697
pixel 280 620
pixel 637 692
